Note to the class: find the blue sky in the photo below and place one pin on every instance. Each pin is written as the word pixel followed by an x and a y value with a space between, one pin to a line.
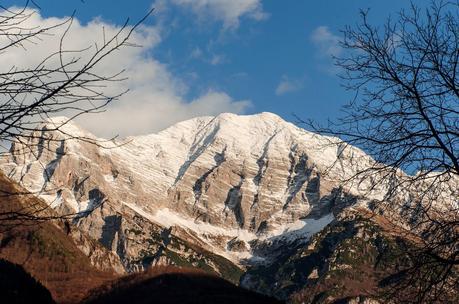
pixel 255 55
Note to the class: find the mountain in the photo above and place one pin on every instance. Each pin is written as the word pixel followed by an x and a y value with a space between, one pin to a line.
pixel 236 196
pixel 225 182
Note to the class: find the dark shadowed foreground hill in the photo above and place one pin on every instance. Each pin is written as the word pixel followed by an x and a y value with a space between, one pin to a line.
pixel 168 285
pixel 17 286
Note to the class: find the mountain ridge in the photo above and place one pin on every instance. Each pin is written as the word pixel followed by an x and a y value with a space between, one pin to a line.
pixel 253 176
pixel 226 194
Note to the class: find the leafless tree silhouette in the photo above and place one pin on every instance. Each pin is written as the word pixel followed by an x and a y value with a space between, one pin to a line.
pixel 405 114
pixel 66 81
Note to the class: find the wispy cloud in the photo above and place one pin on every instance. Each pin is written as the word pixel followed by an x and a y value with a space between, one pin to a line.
pixel 208 56
pixel 157 97
pixel 196 53
pixel 326 41
pixel 217 59
pixel 328 47
pixel 287 85
pixel 229 12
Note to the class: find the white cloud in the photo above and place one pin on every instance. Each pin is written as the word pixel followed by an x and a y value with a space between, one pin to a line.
pixel 156 98
pixel 142 115
pixel 227 11
pixel 287 85
pixel 326 41
pixel 327 45
pixel 196 53
pixel 208 56
pixel 217 59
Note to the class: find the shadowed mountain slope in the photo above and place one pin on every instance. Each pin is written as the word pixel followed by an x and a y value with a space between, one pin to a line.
pixel 42 248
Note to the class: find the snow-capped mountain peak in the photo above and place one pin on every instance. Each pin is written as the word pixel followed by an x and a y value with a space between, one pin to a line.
pixel 225 179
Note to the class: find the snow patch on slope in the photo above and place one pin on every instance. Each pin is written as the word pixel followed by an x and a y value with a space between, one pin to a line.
pixel 301 229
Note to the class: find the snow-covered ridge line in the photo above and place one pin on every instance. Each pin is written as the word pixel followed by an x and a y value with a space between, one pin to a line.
pixel 231 181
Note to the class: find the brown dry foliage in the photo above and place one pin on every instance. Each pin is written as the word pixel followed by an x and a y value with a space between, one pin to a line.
pixel 43 249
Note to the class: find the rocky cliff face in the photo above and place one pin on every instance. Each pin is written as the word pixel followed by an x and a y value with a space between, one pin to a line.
pixel 225 193
pixel 230 181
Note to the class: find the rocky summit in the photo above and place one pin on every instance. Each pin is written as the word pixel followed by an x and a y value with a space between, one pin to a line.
pixel 249 198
